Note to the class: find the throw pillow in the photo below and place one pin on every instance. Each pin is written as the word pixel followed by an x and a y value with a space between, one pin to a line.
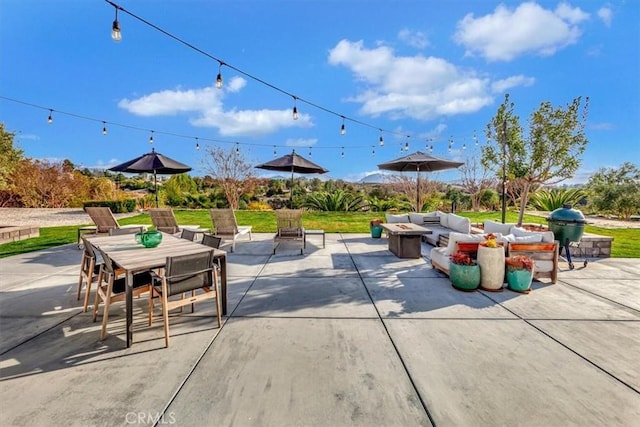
pixel 395 219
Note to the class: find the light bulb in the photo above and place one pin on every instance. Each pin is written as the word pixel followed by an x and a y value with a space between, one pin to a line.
pixel 381 141
pixel 50 118
pixel 295 113
pixel 116 35
pixel 104 128
pixel 219 81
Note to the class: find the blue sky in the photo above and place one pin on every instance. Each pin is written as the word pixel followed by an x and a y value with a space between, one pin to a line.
pixel 422 71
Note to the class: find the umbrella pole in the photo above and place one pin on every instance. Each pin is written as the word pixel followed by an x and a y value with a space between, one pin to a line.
pixel 155 182
pixel 291 191
pixel 418 207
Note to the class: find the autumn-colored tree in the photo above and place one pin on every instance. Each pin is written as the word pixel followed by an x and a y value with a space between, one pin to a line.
pixel 548 154
pixel 9 158
pixel 231 171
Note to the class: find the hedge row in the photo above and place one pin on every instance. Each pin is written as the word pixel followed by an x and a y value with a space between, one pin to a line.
pixel 116 206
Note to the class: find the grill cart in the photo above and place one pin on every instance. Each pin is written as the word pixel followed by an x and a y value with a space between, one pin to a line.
pixel 567 225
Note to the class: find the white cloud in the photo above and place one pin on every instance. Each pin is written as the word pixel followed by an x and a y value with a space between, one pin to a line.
pixel 416 39
pixel 501 86
pixel 419 87
pixel 529 28
pixel 206 108
pixel 301 142
pixel 606 15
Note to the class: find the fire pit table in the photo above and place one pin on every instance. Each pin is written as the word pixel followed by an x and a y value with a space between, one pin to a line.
pixel 405 239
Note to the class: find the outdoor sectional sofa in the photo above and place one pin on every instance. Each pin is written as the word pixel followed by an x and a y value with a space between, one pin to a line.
pixel 540 246
pixel 440 223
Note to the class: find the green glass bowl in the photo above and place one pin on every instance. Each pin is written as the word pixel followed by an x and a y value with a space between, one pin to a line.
pixel 151 239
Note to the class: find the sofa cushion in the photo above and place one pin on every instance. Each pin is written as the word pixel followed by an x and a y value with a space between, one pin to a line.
pixel 396 219
pixel 440 257
pixel 545 236
pixel 497 227
pixel 455 237
pixel 458 223
pixel 436 232
pixel 422 218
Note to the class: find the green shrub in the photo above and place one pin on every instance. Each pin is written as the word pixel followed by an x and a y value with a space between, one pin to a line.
pixel 116 206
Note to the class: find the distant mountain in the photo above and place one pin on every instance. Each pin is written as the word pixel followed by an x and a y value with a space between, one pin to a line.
pixel 375 178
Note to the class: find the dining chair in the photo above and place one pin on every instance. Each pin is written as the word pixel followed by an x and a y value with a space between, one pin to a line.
pixel 89 271
pixel 211 240
pixel 185 273
pixel 226 226
pixel 188 234
pixel 111 288
pixel 124 231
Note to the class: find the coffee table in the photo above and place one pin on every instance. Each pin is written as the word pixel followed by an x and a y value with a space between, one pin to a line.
pixel 405 239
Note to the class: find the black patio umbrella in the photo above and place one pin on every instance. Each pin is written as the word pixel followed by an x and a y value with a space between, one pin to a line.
pixel 293 163
pixel 154 163
pixel 419 162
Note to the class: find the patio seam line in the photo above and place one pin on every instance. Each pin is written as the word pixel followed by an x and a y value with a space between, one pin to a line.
pixel 566 346
pixel 599 296
pixel 393 344
pixel 204 351
pixel 41 333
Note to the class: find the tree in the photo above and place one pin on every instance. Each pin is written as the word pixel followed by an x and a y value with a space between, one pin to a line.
pixel 475 179
pixel 616 190
pixel 549 154
pixel 231 171
pixel 9 156
pixel 178 187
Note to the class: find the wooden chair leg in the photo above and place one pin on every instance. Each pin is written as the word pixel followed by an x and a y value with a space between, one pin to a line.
pixel 105 309
pixel 84 257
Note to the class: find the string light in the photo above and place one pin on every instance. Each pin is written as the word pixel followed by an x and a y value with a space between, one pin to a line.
pixel 237 148
pixel 116 35
pixel 197 144
pixel 104 128
pixel 219 76
pixel 381 140
pixel 191 137
pixel 343 129
pixel 50 118
pixel 342 153
pixel 309 151
pixel 373 150
pixel 275 153
pixel 295 109
pixel 475 138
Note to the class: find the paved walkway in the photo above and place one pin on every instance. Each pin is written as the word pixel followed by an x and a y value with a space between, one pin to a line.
pixel 348 335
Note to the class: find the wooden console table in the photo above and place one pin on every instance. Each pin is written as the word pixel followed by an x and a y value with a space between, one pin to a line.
pixel 405 239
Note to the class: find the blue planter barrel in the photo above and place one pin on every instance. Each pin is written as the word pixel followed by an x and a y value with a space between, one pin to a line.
pixel 519 280
pixel 376 231
pixel 464 277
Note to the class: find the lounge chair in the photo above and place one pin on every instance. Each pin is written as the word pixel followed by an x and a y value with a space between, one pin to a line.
pixel 164 220
pixel 104 221
pixel 226 226
pixel 289 227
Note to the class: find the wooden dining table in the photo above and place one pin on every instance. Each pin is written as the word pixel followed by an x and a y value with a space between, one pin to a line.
pixel 133 258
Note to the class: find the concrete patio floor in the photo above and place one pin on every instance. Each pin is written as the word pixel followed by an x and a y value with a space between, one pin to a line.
pixel 347 335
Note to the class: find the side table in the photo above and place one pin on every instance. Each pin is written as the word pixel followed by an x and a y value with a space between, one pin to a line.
pixel 314 233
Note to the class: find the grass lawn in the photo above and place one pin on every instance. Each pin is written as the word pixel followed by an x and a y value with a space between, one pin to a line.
pixel 624 245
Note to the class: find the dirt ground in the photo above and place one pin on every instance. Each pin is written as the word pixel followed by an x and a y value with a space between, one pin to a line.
pixel 53 217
